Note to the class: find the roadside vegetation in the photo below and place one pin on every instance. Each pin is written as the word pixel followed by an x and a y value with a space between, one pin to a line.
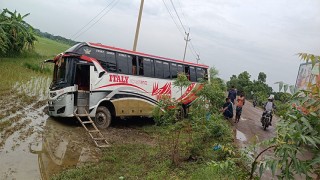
pixel 188 145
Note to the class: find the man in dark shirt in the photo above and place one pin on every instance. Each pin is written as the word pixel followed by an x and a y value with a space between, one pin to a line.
pixel 232 94
pixel 227 109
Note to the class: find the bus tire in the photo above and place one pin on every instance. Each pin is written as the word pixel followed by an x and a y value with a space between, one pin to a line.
pixel 103 117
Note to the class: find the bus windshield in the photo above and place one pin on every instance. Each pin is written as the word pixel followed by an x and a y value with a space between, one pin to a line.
pixel 61 74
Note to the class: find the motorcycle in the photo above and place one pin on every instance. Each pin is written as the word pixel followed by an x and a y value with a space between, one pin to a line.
pixel 265 120
pixel 254 103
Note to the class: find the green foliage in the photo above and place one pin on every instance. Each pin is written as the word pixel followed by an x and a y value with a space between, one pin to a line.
pixel 37 68
pixel 297 132
pixel 262 77
pixel 16 34
pixel 55 38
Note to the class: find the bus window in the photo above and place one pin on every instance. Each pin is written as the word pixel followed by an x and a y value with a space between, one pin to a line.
pixel 173 70
pixel 166 70
pixel 134 65
pixel 148 67
pixel 141 68
pixel 122 61
pixel 180 68
pixel 200 73
pixel 129 63
pixel 111 64
pixel 187 71
pixel 98 54
pixel 158 68
pixel 193 75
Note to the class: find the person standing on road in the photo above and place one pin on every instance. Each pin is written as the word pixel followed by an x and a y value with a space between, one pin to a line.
pixel 240 103
pixel 232 94
pixel 227 109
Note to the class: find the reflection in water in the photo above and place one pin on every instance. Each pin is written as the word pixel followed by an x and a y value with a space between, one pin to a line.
pixel 63 146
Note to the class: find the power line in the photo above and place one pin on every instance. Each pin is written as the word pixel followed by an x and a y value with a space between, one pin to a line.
pixel 99 18
pixel 172 18
pixel 183 14
pixel 192 49
pixel 178 16
pixel 91 20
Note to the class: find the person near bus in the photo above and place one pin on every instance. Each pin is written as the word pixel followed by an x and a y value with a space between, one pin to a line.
pixel 232 94
pixel 227 109
pixel 240 103
pixel 269 106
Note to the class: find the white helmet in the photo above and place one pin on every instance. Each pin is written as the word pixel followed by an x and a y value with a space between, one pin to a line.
pixel 271 97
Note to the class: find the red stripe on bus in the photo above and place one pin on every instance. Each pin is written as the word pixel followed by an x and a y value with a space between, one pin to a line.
pixel 122 84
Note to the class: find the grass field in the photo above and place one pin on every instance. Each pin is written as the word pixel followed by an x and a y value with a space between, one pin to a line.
pixel 22 68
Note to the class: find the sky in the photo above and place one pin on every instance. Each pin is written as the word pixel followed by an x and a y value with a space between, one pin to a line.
pixel 231 35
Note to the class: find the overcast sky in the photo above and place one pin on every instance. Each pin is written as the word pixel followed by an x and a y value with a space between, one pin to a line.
pixel 234 36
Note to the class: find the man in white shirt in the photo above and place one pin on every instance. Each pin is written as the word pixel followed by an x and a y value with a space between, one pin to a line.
pixel 269 106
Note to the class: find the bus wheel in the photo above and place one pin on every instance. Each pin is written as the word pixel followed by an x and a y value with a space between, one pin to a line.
pixel 103 117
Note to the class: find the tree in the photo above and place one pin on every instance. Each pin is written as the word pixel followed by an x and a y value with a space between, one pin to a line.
pixel 15 34
pixel 262 77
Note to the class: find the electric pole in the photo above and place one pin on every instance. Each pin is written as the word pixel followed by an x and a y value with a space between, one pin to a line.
pixel 185 48
pixel 198 58
pixel 138 27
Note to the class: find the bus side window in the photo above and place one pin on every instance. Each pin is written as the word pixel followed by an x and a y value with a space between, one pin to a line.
pixel 148 67
pixel 180 68
pixel 193 75
pixel 173 70
pixel 134 65
pixel 200 74
pixel 158 69
pixel 166 70
pixel 111 62
pixel 122 61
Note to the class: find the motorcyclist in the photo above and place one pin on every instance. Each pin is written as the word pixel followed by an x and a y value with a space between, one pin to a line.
pixel 269 106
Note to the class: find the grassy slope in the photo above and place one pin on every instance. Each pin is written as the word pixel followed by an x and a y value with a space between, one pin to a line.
pixel 12 70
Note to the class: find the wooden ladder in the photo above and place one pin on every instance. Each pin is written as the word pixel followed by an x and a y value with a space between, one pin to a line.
pixel 94 132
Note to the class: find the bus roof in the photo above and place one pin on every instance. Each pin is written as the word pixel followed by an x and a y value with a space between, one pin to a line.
pixel 98 45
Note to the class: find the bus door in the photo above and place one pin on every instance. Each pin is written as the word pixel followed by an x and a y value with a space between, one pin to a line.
pixel 82 80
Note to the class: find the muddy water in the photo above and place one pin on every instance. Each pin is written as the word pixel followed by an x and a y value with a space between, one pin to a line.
pixel 43 147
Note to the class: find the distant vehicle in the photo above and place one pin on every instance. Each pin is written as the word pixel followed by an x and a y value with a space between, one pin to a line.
pixel 307 75
pixel 266 118
pixel 109 82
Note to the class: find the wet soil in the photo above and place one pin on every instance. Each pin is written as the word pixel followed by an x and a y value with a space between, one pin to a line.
pixel 36 146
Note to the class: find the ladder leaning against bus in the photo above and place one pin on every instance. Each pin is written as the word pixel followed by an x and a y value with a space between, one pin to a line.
pixel 104 82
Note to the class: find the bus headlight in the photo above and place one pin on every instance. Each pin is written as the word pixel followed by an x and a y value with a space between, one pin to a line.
pixel 60 97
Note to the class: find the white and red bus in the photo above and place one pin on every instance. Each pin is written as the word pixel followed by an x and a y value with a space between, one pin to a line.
pixel 111 82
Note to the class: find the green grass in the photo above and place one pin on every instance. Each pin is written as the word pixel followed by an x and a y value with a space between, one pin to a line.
pixel 49 48
pixel 145 161
pixel 27 65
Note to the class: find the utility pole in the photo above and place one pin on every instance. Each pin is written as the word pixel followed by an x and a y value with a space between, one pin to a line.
pixel 185 48
pixel 198 58
pixel 138 26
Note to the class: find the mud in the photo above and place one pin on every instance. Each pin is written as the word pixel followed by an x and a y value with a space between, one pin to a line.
pixel 35 146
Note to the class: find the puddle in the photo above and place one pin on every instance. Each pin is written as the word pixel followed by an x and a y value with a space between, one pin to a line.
pixel 240 136
pixel 45 147
pixel 36 87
